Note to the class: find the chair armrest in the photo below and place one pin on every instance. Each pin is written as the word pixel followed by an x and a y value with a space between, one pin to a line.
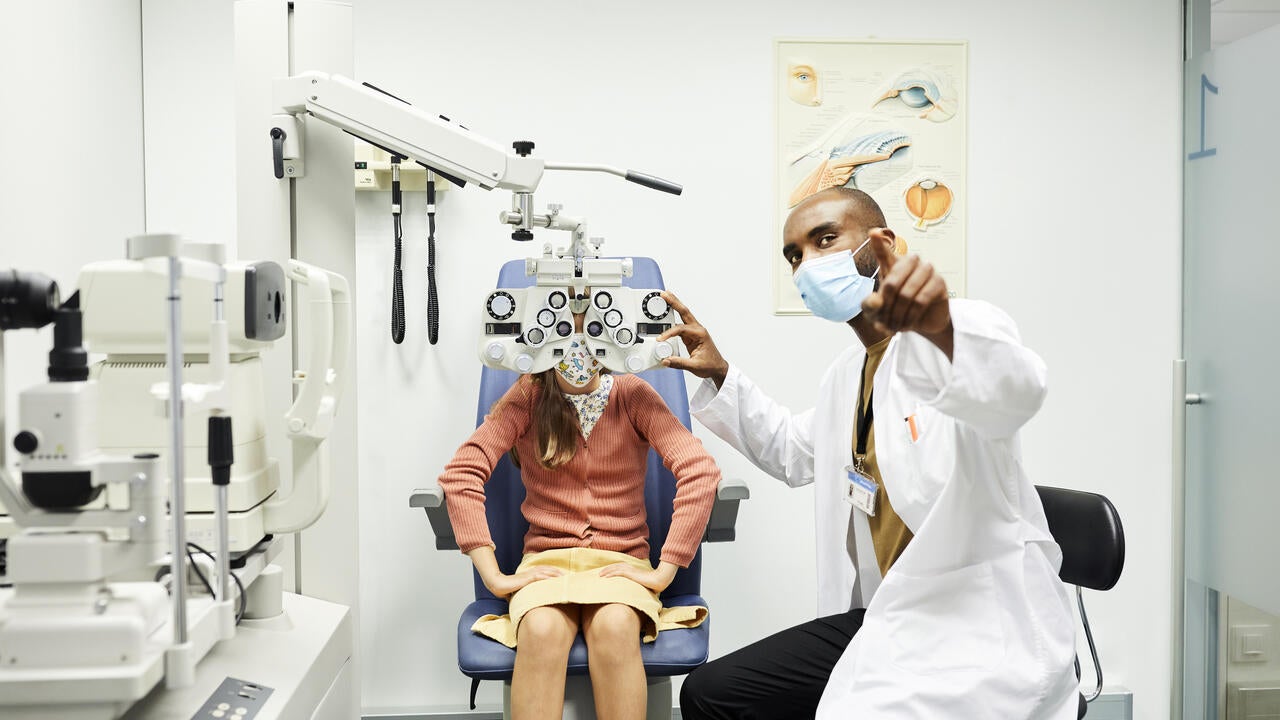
pixel 431 500
pixel 724 514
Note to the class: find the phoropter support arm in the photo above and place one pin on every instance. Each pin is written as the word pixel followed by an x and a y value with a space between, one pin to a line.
pixel 402 129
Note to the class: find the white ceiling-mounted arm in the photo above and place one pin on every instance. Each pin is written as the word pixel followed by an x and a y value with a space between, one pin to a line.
pixel 398 127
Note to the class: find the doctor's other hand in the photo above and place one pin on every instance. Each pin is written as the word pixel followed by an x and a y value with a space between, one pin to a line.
pixel 656 579
pixel 911 297
pixel 704 359
pixel 504 586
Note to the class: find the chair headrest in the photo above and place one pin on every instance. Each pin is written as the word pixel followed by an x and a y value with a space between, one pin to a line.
pixel 1088 529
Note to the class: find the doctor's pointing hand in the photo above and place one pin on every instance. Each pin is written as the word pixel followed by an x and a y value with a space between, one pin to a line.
pixel 911 295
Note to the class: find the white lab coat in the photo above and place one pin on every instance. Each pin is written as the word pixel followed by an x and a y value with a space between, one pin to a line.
pixel 972 621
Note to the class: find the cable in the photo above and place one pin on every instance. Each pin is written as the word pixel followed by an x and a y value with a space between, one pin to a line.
pixel 200 574
pixel 397 275
pixel 244 599
pixel 397 290
pixel 433 301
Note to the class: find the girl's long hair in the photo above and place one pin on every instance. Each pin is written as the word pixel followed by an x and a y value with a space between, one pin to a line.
pixel 555 420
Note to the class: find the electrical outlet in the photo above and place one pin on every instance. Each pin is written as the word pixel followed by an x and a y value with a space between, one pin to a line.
pixel 1250 643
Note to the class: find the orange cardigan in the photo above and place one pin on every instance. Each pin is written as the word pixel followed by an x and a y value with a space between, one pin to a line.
pixel 597 498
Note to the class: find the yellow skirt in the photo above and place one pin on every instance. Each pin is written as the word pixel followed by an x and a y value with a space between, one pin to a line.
pixel 581 584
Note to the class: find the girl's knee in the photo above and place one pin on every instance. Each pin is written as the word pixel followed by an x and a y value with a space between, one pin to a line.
pixel 546 629
pixel 615 625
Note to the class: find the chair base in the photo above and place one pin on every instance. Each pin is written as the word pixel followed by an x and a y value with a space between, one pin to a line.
pixel 580 704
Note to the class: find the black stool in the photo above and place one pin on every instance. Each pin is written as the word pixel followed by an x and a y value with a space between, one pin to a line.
pixel 1087 528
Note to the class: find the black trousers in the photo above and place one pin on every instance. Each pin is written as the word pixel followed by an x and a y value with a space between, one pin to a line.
pixel 781 676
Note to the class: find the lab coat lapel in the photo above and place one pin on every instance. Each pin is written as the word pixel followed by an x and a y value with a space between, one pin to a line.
pixel 837 577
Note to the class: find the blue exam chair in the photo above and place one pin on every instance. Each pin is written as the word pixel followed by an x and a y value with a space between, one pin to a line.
pixel 675 652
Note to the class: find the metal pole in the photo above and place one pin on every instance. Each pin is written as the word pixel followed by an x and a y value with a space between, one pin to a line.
pixel 224 566
pixel 223 589
pixel 177 501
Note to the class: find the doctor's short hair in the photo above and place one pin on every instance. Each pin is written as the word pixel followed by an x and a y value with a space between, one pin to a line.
pixel 861 205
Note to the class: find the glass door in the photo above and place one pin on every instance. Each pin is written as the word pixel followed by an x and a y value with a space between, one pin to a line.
pixel 1230 649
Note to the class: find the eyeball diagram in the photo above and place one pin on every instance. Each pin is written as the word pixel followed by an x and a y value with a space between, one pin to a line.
pixel 922 90
pixel 844 163
pixel 928 202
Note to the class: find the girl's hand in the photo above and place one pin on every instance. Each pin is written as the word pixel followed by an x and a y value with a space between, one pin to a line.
pixel 656 579
pixel 505 586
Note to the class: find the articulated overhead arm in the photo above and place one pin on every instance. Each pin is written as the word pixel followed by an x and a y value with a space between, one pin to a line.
pixel 399 128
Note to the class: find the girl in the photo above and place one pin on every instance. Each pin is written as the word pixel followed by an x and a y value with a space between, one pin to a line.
pixel 580 438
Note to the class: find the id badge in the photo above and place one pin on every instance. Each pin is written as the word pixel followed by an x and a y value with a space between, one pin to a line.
pixel 860 491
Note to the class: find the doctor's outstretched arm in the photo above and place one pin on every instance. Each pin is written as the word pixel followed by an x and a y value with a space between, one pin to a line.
pixel 732 407
pixel 963 358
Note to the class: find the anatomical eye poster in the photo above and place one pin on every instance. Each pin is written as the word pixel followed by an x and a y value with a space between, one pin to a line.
pixel 884 117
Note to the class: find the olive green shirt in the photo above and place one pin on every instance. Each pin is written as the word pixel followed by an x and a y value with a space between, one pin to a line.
pixel 889 534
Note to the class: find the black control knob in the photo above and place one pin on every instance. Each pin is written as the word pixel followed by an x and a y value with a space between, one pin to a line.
pixel 522 235
pixel 26 442
pixel 523 147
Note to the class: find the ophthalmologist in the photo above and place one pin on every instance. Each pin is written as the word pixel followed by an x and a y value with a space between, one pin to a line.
pixel 938 589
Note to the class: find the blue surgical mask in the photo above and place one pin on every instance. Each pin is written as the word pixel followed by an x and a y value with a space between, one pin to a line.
pixel 831 286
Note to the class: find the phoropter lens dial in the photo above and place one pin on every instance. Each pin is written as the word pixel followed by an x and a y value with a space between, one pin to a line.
pixel 654 307
pixel 500 305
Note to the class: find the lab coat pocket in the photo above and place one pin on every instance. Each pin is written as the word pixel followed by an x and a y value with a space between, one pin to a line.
pixel 926 451
pixel 942 623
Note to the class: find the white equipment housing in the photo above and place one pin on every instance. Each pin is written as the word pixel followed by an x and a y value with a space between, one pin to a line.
pixel 398 128
pixel 124 319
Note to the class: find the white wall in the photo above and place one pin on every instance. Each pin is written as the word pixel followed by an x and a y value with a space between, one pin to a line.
pixel 189 71
pixel 1074 200
pixel 71 187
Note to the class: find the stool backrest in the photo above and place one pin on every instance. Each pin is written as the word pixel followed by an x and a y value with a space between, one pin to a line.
pixel 1088 529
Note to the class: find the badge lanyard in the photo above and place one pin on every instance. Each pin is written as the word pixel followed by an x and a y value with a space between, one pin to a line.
pixel 860 492
pixel 865 416
pixel 862 489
